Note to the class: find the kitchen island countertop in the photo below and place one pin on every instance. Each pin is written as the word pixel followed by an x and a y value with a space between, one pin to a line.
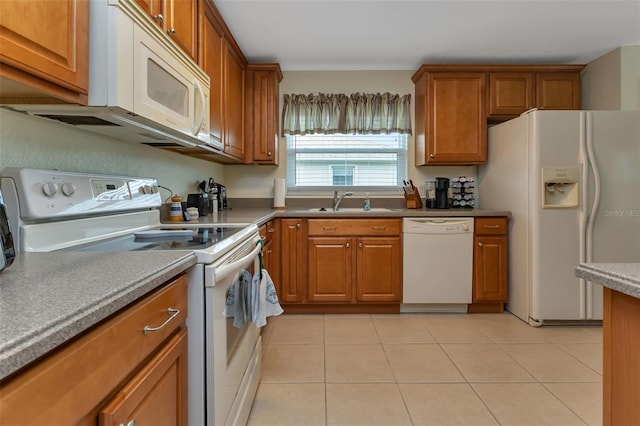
pixel 622 277
pixel 49 298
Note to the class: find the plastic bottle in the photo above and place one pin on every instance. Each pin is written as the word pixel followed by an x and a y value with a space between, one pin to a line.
pixel 175 213
pixel 367 203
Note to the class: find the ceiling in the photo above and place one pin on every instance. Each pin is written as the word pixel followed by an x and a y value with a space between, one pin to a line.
pixel 402 35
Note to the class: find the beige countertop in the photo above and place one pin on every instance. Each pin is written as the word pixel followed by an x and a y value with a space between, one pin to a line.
pixel 48 298
pixel 262 215
pixel 622 277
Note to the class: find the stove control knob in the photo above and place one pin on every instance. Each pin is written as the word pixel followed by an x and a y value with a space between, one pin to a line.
pixel 50 188
pixel 68 189
pixel 154 189
pixel 145 189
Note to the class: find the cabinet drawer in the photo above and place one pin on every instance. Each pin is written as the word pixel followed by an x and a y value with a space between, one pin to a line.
pixel 354 227
pixel 70 383
pixel 491 225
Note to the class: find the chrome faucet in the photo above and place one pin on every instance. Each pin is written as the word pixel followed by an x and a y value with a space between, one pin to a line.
pixel 336 199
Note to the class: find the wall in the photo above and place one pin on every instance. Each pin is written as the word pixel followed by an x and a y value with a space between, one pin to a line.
pixel 601 82
pixel 630 78
pixel 257 181
pixel 612 81
pixel 31 142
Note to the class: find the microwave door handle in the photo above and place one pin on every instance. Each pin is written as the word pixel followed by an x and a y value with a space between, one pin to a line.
pixel 198 125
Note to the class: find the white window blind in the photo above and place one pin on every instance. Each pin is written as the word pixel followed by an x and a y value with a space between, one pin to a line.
pixel 357 162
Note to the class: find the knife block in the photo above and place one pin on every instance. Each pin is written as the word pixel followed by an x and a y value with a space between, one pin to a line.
pixel 413 200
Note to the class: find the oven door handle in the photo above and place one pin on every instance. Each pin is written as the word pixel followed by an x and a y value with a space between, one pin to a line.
pixel 223 271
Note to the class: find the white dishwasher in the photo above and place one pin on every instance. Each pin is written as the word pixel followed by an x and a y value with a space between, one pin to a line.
pixel 437 264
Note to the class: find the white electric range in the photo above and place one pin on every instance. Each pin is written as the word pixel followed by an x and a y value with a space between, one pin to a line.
pixel 51 210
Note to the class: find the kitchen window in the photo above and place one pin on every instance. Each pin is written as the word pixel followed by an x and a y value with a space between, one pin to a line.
pixel 356 141
pixel 355 162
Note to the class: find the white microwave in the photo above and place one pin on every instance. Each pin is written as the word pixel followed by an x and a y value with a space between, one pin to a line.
pixel 142 87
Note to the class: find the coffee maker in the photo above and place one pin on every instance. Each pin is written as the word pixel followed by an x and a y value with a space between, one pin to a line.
pixel 221 191
pixel 442 193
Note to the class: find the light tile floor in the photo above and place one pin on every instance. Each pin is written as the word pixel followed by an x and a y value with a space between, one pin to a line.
pixel 427 369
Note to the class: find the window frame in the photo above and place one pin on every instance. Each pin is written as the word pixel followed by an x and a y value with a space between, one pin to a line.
pixel 401 173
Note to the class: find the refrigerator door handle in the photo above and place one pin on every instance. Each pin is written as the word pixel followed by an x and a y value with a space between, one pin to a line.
pixel 583 214
pixel 594 208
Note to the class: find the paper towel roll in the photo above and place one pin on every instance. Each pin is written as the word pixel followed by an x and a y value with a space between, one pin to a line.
pixel 279 190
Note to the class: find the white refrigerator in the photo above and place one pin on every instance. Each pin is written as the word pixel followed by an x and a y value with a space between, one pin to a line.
pixel 571 180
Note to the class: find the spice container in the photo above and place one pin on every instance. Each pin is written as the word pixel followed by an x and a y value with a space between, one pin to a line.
pixel 175 212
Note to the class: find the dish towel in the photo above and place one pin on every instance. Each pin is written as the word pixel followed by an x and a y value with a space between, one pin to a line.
pixel 237 300
pixel 267 301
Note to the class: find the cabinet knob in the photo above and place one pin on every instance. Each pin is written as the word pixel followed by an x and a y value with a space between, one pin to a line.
pixel 298 225
pixel 360 245
pixel 348 245
pixel 269 153
pixel 159 18
pixel 480 244
pixel 171 31
pixel 431 155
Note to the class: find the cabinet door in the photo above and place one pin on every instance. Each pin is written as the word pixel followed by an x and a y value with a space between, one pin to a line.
pixel 155 9
pixel 490 269
pixel 456 118
pixel 262 113
pixel 181 25
pixel 558 90
pixel 293 260
pixel 233 102
pixel 272 253
pixel 510 94
pixel 211 42
pixel 45 45
pixel 379 269
pixel 157 395
pixel 331 266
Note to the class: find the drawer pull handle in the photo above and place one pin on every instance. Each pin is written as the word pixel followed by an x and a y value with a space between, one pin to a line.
pixel 329 228
pixel 379 228
pixel 271 230
pixel 491 226
pixel 173 312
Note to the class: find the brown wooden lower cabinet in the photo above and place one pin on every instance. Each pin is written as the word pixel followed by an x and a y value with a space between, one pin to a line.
pixel 113 371
pixel 351 265
pixel 490 264
pixel 379 269
pixel 157 395
pixel 331 269
pixel 291 288
pixel 621 352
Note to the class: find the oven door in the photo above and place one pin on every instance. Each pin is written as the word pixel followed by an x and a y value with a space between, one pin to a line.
pixel 232 383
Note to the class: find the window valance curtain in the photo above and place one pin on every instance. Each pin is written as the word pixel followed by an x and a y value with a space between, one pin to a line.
pixel 359 114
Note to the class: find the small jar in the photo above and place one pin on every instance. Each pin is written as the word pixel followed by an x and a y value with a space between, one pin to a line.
pixel 193 213
pixel 175 212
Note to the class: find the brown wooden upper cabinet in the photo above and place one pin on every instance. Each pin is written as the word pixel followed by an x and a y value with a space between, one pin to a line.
pixel 221 58
pixel 262 83
pixel 44 47
pixel 178 18
pixel 454 102
pixel 513 89
pixel 450 110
